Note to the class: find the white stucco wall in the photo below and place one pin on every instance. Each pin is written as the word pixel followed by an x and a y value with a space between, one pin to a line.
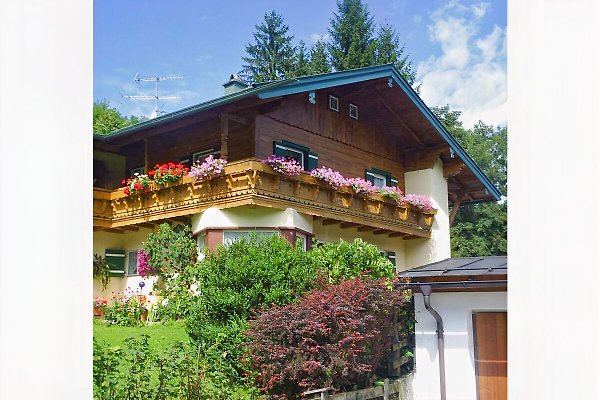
pixel 251 217
pixel 128 241
pixel 430 182
pixel 456 310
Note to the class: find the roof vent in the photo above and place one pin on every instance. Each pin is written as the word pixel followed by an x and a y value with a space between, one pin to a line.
pixel 234 84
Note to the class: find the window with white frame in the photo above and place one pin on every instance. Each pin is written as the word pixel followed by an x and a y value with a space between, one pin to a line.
pixel 377 179
pixel 132 263
pixel 302 239
pixel 307 159
pixel 390 255
pixel 334 103
pixel 232 236
pixel 353 111
pixel 201 246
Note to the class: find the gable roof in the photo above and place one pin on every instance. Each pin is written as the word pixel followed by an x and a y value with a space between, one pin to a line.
pixel 321 81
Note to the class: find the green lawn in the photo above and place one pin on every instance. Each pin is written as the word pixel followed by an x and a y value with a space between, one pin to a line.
pixel 161 335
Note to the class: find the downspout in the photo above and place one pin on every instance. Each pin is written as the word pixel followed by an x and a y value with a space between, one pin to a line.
pixel 426 291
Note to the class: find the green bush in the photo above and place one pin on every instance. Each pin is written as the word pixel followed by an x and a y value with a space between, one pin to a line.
pixel 343 260
pixel 125 311
pixel 182 371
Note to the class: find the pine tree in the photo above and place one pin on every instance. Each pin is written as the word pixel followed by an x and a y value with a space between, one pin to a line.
pixel 352 44
pixel 302 64
pixel 319 64
pixel 389 51
pixel 272 55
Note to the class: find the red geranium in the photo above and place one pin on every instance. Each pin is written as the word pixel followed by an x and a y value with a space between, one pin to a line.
pixel 167 172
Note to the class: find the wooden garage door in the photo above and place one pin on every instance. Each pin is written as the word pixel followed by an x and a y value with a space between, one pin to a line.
pixel 490 355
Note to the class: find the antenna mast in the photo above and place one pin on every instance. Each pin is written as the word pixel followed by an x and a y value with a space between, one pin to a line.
pixel 156 97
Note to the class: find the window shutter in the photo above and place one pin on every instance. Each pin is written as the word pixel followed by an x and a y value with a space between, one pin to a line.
pixel 393 181
pixel 279 151
pixel 313 161
pixel 391 255
pixel 369 177
pixel 116 262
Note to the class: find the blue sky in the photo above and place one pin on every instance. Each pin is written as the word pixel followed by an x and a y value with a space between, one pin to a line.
pixel 458 48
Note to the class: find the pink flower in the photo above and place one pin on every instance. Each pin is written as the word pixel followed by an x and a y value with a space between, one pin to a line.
pixel 420 201
pixel 208 169
pixel 283 165
pixel 334 178
pixel 361 186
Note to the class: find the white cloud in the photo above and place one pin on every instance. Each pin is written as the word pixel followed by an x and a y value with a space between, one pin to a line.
pixel 470 74
pixel 315 37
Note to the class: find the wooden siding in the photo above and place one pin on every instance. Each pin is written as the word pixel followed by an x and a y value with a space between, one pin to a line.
pixel 350 160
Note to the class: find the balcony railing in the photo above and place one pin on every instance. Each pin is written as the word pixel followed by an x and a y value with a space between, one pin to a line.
pixel 248 182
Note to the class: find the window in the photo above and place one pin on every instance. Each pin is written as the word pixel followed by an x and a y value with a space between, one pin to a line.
pixel 116 262
pixel 232 236
pixel 308 159
pixel 353 111
pixel 132 263
pixel 390 255
pixel 380 178
pixel 201 155
pixel 138 170
pixel 334 103
pixel 201 246
pixel 302 239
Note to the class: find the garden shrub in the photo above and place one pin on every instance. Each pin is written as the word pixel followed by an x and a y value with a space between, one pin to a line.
pixel 336 336
pixel 126 310
pixel 344 260
pixel 171 250
pixel 182 371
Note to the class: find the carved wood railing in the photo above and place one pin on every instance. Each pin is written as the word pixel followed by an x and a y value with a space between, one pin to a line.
pixel 248 182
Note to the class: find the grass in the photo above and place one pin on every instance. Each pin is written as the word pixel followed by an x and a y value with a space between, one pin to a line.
pixel 161 335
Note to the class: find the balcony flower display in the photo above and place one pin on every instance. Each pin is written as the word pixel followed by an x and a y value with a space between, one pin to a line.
pixel 144 268
pixel 391 192
pixel 208 169
pixel 286 166
pixel 361 186
pixel 330 176
pixel 420 201
pixel 167 172
pixel 140 183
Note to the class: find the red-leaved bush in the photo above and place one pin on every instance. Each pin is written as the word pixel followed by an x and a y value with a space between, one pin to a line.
pixel 336 336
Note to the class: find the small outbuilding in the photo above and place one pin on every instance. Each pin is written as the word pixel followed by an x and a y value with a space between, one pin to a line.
pixel 461 328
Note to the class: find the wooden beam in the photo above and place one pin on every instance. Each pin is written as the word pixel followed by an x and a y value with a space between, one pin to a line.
pixel 147 225
pixel 316 217
pixel 453 168
pixel 224 136
pixel 411 237
pixel 329 221
pixel 398 117
pixel 346 225
pixel 146 155
pixel 365 228
pixel 236 118
pixel 397 234
pixel 455 208
pixel 381 231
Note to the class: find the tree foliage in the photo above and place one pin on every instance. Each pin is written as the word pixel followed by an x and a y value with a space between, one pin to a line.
pixel 336 336
pixel 272 55
pixel 319 61
pixel 389 51
pixel 480 229
pixel 107 119
pixel 352 44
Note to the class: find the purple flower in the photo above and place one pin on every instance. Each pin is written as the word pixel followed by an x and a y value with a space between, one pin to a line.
pixel 286 166
pixel 392 192
pixel 420 201
pixel 334 178
pixel 208 169
pixel 143 261
pixel 361 186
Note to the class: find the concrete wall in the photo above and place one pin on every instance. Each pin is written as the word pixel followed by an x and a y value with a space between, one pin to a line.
pixel 430 182
pixel 456 310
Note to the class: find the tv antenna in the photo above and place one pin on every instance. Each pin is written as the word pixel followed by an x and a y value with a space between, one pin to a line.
pixel 156 97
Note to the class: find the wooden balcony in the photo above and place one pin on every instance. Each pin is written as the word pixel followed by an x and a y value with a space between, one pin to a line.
pixel 250 183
